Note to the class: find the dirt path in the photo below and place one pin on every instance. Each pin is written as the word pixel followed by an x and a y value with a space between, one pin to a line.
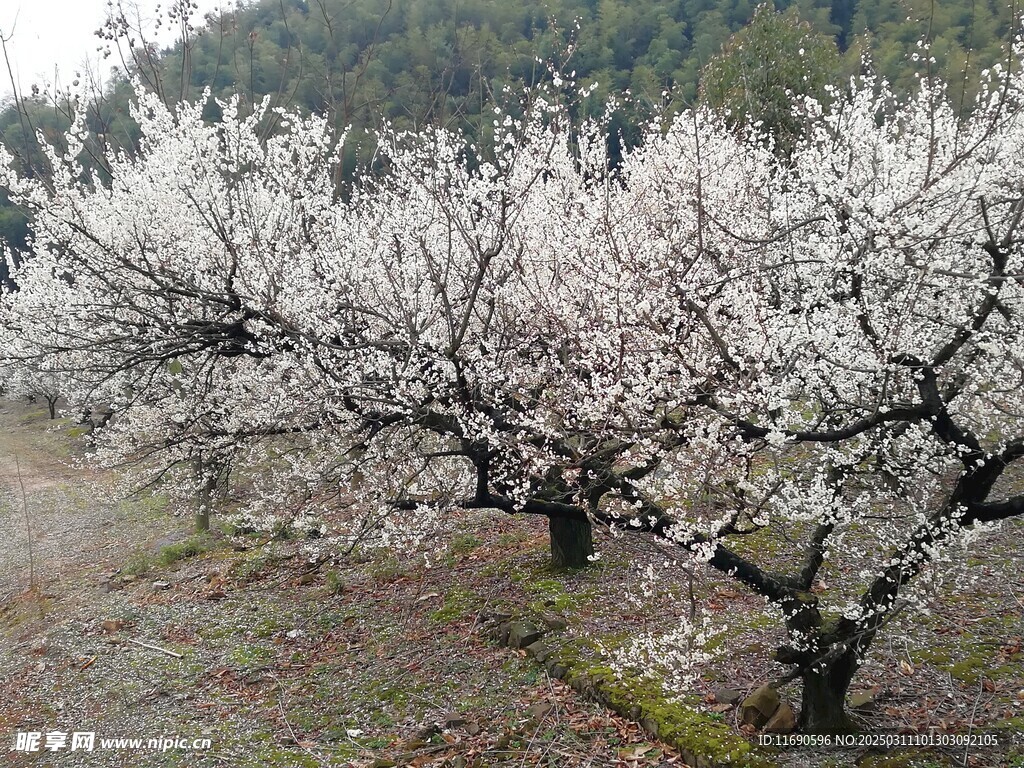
pixel 79 526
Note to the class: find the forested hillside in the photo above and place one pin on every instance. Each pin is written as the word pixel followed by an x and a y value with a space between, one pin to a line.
pixel 426 60
pixel 421 62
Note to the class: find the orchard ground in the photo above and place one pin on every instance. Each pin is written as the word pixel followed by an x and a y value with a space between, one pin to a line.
pixel 379 660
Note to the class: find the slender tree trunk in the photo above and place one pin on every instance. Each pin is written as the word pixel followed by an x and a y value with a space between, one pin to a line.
pixel 824 697
pixel 51 405
pixel 572 542
pixel 207 494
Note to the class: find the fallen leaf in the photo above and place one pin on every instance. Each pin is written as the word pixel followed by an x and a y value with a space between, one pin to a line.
pixel 640 752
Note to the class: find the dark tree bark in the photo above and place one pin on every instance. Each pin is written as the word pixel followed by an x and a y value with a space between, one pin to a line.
pixel 572 542
pixel 824 697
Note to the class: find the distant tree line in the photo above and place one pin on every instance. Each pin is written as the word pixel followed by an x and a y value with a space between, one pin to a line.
pixel 440 62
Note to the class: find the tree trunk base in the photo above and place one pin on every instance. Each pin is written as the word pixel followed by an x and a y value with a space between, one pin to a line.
pixel 202 521
pixel 824 699
pixel 572 542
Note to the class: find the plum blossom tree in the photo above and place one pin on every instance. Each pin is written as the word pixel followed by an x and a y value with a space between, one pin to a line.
pixel 31 381
pixel 704 344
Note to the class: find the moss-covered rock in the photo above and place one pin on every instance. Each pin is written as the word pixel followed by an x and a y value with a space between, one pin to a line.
pixel 702 740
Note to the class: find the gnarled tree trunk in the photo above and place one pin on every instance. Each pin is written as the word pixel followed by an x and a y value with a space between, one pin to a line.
pixel 572 542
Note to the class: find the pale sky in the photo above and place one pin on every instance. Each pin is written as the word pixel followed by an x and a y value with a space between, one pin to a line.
pixel 49 34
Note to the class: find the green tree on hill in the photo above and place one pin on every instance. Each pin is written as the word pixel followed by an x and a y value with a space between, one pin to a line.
pixel 766 67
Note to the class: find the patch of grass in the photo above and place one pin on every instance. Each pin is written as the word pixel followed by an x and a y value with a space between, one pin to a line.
pixel 263 750
pixel 464 543
pixel 29 605
pixel 146 506
pixel 511 539
pixel 190 547
pixel 137 563
pixel 267 627
pixel 250 565
pixel 335 583
pixel 329 619
pixel 388 568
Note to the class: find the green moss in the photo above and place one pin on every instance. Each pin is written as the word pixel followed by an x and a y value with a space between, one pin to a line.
pixel 457 603
pixel 676 722
pixel 937 656
pixel 763 545
pixel 216 631
pixel 250 656
pixel 546 587
pixel 1013 723
pixel 914 758
pixel 263 750
pixel 969 664
pixel 550 594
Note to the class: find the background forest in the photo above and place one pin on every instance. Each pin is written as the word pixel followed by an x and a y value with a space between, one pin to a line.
pixel 420 62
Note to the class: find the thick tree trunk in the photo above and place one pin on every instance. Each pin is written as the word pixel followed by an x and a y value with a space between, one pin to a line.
pixel 572 542
pixel 824 698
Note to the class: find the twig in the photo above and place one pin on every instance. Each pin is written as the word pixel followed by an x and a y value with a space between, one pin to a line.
pixel 284 717
pixel 141 644
pixel 970 725
pixel 1014 596
pixel 28 526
